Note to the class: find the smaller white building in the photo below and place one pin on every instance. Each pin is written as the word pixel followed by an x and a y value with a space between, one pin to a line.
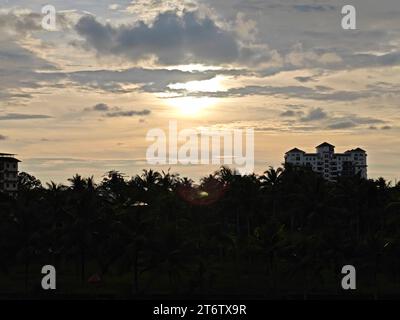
pixel 9 174
pixel 329 164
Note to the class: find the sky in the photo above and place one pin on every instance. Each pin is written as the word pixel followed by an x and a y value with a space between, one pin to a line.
pixel 82 98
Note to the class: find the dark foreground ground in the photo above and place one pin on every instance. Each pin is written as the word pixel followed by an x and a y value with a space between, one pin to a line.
pixel 283 235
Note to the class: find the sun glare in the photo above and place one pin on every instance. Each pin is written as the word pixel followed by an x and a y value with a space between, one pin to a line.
pixel 189 106
pixel 211 85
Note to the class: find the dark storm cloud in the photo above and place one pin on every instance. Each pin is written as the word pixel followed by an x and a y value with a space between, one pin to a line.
pixel 171 38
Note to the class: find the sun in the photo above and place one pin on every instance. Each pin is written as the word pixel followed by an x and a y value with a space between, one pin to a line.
pixel 191 106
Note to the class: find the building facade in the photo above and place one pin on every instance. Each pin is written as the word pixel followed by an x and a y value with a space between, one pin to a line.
pixel 8 174
pixel 329 164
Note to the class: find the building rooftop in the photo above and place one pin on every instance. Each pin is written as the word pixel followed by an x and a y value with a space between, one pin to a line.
pixel 325 144
pixel 8 157
pixel 356 150
pixel 295 150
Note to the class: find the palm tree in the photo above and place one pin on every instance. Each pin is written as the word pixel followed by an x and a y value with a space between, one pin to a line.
pixel 55 197
pixel 83 210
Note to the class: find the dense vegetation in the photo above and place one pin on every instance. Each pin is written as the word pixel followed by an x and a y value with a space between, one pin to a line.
pixel 287 232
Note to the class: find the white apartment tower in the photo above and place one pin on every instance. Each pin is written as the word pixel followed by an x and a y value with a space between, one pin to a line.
pixel 9 174
pixel 329 164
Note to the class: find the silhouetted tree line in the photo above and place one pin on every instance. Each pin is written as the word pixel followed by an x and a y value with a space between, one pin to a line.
pixel 286 231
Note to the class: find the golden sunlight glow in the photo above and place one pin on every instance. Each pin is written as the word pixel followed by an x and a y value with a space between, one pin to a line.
pixel 194 67
pixel 212 85
pixel 189 106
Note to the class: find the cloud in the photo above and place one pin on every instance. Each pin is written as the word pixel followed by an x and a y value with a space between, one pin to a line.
pixel 20 23
pixel 373 60
pixel 298 92
pixel 114 6
pixel 314 114
pixel 132 113
pixel 317 118
pixel 116 112
pixel 19 116
pixel 172 39
pixel 100 107
pixel 291 113
pixel 19 65
pixel 288 113
pixel 148 10
pixel 19 69
pixel 313 8
pixel 3 137
pixel 323 88
pixel 60 164
pixel 352 121
pixel 147 80
pixel 343 125
pixel 304 79
pixel 25 22
pixel 365 120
